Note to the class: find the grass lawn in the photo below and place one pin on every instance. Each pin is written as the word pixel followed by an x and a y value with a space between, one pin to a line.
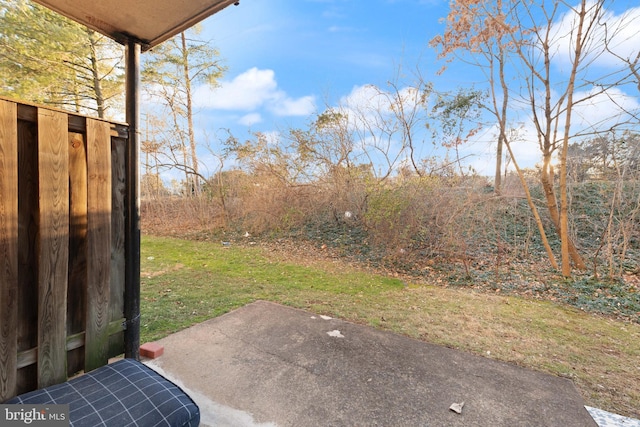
pixel 185 282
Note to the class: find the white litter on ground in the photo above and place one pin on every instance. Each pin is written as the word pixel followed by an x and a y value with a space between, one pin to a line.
pixel 335 334
pixel 608 419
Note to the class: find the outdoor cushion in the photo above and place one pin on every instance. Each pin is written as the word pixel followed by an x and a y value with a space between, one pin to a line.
pixel 124 393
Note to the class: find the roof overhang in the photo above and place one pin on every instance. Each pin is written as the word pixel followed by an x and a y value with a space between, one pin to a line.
pixel 148 22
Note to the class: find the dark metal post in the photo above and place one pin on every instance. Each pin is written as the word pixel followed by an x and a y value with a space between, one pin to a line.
pixel 132 220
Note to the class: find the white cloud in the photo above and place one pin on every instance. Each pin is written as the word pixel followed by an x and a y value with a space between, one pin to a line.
pixel 367 96
pixel 250 91
pixel 364 104
pixel 284 106
pixel 480 151
pixel 621 32
pixel 245 92
pixel 378 135
pixel 603 110
pixel 370 97
pixel 272 137
pixel 599 112
pixel 369 105
pixel 594 110
pixel 250 119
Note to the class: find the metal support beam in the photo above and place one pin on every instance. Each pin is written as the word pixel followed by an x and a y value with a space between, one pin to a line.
pixel 132 224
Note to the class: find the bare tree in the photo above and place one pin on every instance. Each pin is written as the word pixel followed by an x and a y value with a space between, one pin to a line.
pixel 479 28
pixel 550 47
pixel 171 72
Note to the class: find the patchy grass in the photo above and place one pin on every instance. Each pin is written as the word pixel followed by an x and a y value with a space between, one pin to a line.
pixel 185 282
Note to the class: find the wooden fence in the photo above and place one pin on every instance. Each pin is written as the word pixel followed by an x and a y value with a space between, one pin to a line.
pixel 62 249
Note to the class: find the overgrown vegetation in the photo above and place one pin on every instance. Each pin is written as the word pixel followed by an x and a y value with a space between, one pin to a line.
pixel 452 228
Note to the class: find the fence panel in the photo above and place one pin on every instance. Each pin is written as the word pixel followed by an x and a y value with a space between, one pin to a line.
pixel 62 209
pixel 8 247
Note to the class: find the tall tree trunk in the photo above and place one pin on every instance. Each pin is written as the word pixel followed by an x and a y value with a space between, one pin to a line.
pixel 547 180
pixel 568 250
pixel 548 133
pixel 192 137
pixel 503 122
pixel 97 82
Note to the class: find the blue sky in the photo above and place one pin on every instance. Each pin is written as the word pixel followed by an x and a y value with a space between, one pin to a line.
pixel 317 50
pixel 289 59
pixel 316 46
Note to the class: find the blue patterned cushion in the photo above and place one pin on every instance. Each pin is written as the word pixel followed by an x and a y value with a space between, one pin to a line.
pixel 124 393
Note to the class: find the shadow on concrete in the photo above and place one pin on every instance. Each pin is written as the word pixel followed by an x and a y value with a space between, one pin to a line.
pixel 267 364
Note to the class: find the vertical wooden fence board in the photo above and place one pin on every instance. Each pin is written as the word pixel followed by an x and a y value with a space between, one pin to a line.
pixel 28 218
pixel 98 243
pixel 118 191
pixel 28 214
pixel 53 246
pixel 76 311
pixel 8 248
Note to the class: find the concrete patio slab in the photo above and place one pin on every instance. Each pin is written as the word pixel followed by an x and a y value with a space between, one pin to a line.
pixel 267 364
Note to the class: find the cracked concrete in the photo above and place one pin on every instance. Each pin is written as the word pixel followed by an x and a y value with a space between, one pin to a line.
pixel 270 365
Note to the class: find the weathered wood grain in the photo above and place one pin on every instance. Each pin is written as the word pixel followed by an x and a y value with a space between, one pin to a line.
pixel 76 312
pixel 118 191
pixel 74 342
pixel 8 248
pixel 98 243
pixel 77 123
pixel 53 246
pixel 28 213
pixel 53 327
